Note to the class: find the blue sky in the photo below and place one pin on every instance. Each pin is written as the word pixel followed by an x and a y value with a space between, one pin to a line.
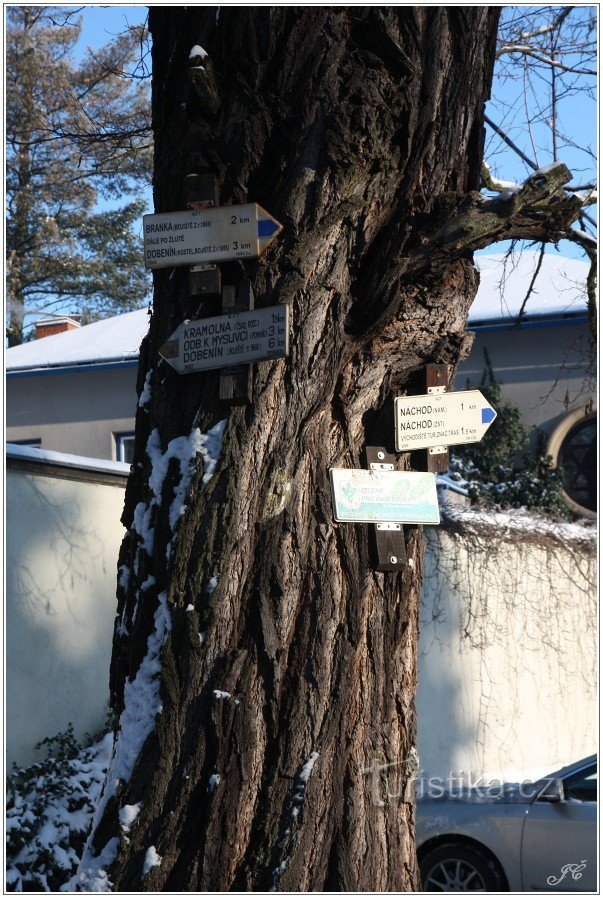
pixel 101 23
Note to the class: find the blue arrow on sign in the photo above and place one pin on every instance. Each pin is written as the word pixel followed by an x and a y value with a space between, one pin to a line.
pixel 267 227
pixel 488 415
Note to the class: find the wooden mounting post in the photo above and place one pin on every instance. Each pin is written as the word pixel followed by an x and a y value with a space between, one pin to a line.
pixel 236 382
pixel 388 547
pixel 201 192
pixel 437 458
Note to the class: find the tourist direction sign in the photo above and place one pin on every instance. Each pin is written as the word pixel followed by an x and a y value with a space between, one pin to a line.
pixel 215 234
pixel 236 339
pixel 373 497
pixel 441 419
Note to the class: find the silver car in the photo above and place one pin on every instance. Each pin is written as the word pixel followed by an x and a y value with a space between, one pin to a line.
pixel 540 836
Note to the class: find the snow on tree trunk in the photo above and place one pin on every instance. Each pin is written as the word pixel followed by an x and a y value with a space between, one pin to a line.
pixel 260 666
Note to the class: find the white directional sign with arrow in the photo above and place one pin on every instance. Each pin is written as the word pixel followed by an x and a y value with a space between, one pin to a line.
pixel 235 339
pixel 441 419
pixel 216 234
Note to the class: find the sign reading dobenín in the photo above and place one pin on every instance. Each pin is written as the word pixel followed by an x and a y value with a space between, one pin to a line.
pixel 207 235
pixel 442 419
pixel 235 339
pixel 372 497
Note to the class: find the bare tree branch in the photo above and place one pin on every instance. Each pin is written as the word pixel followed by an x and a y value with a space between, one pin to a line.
pixel 526 50
pixel 530 290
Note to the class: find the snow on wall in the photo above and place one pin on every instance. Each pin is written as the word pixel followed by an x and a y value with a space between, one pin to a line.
pixel 65 460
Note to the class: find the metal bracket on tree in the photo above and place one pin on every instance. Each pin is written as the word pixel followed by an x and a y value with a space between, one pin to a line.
pixel 236 382
pixel 388 546
pixel 201 192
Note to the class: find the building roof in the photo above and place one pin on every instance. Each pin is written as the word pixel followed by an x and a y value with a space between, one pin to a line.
pixel 113 341
pixel 559 293
pixel 559 290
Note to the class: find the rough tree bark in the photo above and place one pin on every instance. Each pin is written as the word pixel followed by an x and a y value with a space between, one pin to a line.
pixel 361 129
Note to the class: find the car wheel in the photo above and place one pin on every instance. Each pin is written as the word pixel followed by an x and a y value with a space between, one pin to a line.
pixel 459 868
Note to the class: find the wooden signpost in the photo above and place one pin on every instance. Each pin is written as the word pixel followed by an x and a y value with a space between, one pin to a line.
pixel 447 419
pixel 208 235
pixel 384 497
pixel 388 498
pixel 239 338
pixel 200 237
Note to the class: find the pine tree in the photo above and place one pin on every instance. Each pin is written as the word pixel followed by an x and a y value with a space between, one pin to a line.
pixel 76 133
pixel 502 471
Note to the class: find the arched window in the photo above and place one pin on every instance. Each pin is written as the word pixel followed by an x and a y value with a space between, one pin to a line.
pixel 573 447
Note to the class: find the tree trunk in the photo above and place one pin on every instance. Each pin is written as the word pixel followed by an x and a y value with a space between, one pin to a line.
pixel 244 753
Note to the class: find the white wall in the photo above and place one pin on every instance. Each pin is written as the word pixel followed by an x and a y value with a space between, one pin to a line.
pixel 62 543
pixel 507 653
pixel 507 663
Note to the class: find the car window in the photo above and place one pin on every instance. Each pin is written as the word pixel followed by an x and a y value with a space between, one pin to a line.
pixel 582 786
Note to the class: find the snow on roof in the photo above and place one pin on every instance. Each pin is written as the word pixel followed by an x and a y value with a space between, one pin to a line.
pixel 63 460
pixel 560 288
pixel 111 340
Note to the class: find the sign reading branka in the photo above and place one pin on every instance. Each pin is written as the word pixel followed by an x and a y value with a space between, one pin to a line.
pixel 372 497
pixel 441 419
pixel 235 339
pixel 208 235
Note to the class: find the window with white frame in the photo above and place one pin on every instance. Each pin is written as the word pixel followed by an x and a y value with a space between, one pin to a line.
pixel 124 447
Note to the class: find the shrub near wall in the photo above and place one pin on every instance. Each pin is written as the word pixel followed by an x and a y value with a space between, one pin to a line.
pixel 49 811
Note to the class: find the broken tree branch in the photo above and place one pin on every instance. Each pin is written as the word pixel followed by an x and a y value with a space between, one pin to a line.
pixel 540 209
pixel 530 162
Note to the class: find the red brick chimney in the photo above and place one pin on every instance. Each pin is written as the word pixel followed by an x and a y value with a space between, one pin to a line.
pixel 47 327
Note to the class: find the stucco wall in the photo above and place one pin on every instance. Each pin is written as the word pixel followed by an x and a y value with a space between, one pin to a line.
pixel 507 653
pixel 538 368
pixel 76 413
pixel 80 411
pixel 62 542
pixel 508 663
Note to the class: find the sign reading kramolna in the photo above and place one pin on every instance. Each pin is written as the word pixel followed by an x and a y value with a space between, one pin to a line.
pixel 198 236
pixel 441 419
pixel 372 497
pixel 235 339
